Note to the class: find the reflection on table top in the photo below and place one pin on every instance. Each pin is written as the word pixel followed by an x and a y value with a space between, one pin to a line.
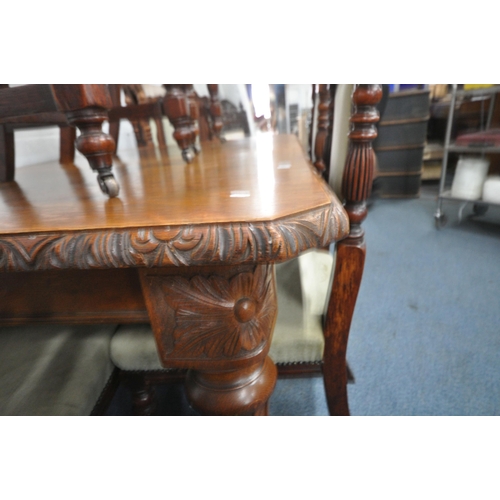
pixel 248 180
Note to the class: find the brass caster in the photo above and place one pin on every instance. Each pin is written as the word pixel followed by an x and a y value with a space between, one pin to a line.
pixel 108 185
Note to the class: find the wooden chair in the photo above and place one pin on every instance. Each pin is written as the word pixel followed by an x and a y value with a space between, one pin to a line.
pixel 56 370
pixel 186 111
pixel 308 338
pixel 82 106
pixel 36 105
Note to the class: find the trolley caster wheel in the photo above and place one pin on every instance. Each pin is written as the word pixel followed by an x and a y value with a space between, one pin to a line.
pixel 440 221
pixel 187 156
pixel 480 208
pixel 109 185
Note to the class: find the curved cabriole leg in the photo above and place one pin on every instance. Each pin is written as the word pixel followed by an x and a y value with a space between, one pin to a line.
pixel 217 322
pixel 176 107
pixel 356 187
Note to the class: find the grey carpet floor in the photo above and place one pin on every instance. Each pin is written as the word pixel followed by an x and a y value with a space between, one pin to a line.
pixel 425 338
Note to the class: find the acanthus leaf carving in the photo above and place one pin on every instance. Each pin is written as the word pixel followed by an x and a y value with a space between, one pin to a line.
pixel 215 317
pixel 231 243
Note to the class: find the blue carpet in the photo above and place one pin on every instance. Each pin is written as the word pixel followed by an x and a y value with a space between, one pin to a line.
pixel 425 338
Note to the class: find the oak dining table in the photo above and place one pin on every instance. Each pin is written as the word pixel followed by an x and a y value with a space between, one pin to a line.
pixel 190 248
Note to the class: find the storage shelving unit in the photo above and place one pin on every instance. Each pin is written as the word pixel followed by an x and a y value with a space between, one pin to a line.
pixel 479 207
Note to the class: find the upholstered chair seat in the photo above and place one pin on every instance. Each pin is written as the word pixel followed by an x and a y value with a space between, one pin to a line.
pixel 53 370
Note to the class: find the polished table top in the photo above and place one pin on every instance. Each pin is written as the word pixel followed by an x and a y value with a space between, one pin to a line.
pixel 249 200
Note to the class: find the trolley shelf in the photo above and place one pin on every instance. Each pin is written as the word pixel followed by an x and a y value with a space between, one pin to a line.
pixel 478 144
pixel 479 92
pixel 446 195
pixel 473 149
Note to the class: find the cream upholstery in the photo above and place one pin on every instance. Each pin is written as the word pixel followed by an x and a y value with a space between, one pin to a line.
pixel 53 370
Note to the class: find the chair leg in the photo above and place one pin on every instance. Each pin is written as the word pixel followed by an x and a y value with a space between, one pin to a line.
pixel 215 110
pixel 347 280
pixel 86 107
pixel 356 186
pixel 114 125
pixel 7 154
pixel 176 108
pixel 67 146
pixel 143 395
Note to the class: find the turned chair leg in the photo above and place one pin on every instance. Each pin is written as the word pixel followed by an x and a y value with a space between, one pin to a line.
pixel 356 186
pixel 215 110
pixel 96 146
pixel 86 107
pixel 194 113
pixel 7 154
pixel 176 108
pixel 67 145
pixel 143 394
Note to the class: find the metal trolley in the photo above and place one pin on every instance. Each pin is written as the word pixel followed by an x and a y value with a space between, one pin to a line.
pixel 479 207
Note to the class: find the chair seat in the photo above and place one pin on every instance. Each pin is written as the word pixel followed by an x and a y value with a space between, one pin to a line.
pixel 298 336
pixel 53 370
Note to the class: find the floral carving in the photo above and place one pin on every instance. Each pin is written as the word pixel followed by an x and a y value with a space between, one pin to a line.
pixel 217 317
pixel 236 243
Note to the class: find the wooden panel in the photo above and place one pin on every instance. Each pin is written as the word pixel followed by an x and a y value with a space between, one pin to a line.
pixel 78 96
pixel 26 100
pixel 108 296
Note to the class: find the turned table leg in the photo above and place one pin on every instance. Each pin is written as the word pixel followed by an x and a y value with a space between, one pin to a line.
pixel 86 107
pixel 217 321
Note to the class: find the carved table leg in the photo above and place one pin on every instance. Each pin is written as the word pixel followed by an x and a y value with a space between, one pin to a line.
pixel 176 107
pixel 86 108
pixel 216 321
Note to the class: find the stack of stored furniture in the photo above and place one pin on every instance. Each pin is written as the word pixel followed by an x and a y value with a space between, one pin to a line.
pixel 400 143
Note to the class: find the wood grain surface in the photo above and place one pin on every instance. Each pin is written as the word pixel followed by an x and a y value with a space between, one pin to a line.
pixel 253 200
